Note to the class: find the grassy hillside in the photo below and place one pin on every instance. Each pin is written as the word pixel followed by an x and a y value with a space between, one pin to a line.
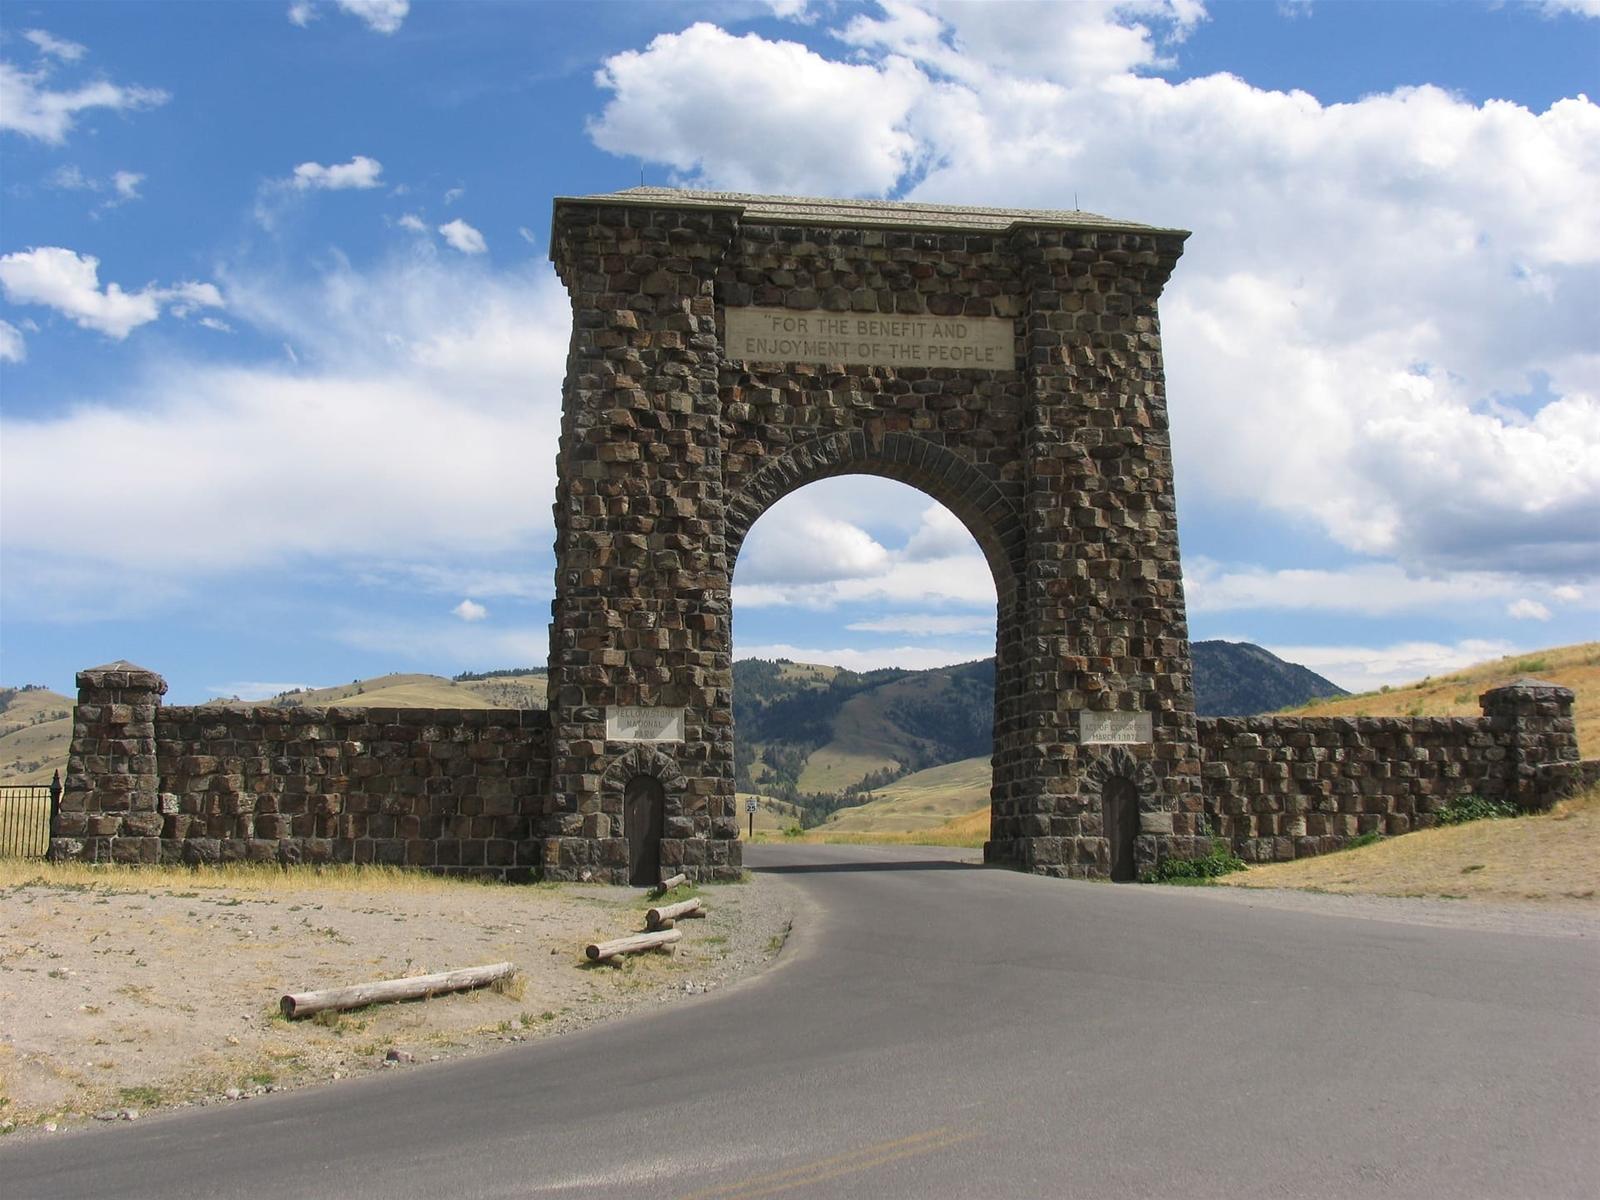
pixel 35 732
pixel 415 691
pixel 920 801
pixel 1456 694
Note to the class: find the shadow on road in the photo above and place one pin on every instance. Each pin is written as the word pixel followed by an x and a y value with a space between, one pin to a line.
pixel 839 867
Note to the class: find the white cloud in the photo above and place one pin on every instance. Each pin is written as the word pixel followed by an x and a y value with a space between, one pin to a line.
pixel 126 184
pixel 70 178
pixel 792 543
pixel 254 689
pixel 1366 283
pixel 1084 41
pixel 413 223
pixel 471 645
pixel 1581 8
pixel 939 535
pixel 380 16
pixel 527 235
pixel 470 610
pixel 911 658
pixel 13 348
pixel 55 47
pixel 359 172
pixel 925 625
pixel 1567 593
pixel 703 101
pixel 1527 610
pixel 454 194
pixel 1367 668
pixel 29 106
pixel 302 13
pixel 420 391
pixel 69 282
pixel 463 237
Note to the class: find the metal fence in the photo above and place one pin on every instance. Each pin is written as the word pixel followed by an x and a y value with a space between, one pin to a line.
pixel 27 815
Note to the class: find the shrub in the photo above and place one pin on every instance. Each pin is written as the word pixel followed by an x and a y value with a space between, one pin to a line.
pixel 1221 861
pixel 1462 809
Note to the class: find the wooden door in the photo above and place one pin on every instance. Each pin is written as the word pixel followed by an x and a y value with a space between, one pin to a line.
pixel 642 802
pixel 1120 812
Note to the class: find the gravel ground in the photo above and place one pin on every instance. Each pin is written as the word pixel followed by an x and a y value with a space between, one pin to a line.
pixel 133 994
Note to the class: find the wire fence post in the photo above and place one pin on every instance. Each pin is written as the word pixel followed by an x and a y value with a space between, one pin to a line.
pixel 55 814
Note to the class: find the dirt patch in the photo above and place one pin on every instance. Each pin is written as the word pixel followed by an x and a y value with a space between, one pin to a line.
pixel 125 992
pixel 1552 859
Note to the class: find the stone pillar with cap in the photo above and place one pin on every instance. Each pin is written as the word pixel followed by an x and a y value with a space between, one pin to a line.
pixel 110 806
pixel 1532 720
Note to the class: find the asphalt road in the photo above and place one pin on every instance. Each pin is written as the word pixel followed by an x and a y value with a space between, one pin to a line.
pixel 936 1029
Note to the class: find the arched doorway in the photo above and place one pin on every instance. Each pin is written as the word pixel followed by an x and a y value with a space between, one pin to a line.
pixel 643 810
pixel 864 621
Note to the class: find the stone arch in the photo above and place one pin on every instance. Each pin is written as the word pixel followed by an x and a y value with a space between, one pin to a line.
pixel 642 760
pixel 727 349
pixel 975 500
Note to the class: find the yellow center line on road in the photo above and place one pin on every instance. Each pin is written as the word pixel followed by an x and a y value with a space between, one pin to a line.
pixel 822 1170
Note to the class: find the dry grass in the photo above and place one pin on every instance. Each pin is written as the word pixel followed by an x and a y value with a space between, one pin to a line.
pixel 1456 695
pixel 260 878
pixel 924 800
pixel 1551 857
pixel 970 830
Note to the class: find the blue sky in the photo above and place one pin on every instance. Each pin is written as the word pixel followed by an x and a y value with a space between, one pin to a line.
pixel 281 350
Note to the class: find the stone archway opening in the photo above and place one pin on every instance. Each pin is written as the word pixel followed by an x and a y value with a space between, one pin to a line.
pixel 858 573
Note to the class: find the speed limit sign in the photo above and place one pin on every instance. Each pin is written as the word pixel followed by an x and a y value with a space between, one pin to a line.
pixel 750 805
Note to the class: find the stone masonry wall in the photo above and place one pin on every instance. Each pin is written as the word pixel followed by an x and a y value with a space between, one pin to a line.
pixel 464 791
pixel 457 791
pixel 1279 788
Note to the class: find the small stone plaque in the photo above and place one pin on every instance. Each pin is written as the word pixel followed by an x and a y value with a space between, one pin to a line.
pixel 631 723
pixel 1113 728
pixel 870 339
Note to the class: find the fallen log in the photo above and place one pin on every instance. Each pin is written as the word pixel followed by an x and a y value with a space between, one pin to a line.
pixel 668 884
pixel 383 991
pixel 600 951
pixel 670 912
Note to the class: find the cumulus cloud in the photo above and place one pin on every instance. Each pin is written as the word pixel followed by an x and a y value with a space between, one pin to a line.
pixel 463 237
pixel 360 172
pixel 470 610
pixel 13 347
pixel 54 47
pixel 68 282
pixel 380 16
pixel 1527 610
pixel 1366 589
pixel 419 389
pixel 1383 323
pixel 30 106
pixel 256 689
pixel 703 101
pixel 412 223
pixel 925 625
pixel 126 184
pixel 1367 668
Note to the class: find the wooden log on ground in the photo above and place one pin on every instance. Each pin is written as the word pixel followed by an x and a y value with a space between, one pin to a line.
pixel 670 912
pixel 668 884
pixel 632 944
pixel 383 991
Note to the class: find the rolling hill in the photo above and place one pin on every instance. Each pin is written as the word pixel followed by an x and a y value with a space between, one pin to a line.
pixel 1456 694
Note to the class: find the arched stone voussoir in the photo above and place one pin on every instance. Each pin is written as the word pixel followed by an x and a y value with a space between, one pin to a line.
pixel 1117 763
pixel 989 515
pixel 642 760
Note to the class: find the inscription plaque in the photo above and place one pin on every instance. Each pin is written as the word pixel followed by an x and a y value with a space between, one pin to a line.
pixel 870 339
pixel 1113 728
pixel 631 723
